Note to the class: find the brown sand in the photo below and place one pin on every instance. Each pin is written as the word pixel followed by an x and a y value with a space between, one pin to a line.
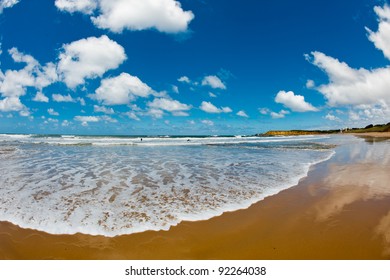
pixel 374 134
pixel 338 212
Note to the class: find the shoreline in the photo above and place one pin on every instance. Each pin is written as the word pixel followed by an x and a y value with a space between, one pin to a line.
pixel 325 216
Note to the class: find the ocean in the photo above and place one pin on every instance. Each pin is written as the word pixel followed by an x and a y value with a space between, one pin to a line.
pixel 116 185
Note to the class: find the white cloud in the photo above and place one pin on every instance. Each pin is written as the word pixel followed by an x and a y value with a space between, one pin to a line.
pixel 108 119
pixel 121 90
pixel 46 75
pixel 86 119
pixel 103 109
pixel 132 115
pixel 25 113
pixel 52 112
pixel 279 115
pixel 175 89
pixel 7 4
pixel 184 79
pixel 331 117
pixel 14 83
pixel 207 122
pixel 89 58
pixel 23 58
pixel 381 38
pixel 242 114
pixel 71 6
pixel 264 111
pixel 163 15
pixel 9 104
pixel 212 95
pixel 40 97
pixel 310 84
pixel 81 100
pixel 156 113
pixel 214 82
pixel 364 92
pixel 226 110
pixel 208 107
pixel 169 105
pixel 62 98
pixel 66 123
pixel 294 102
pixel 353 116
pixel 348 86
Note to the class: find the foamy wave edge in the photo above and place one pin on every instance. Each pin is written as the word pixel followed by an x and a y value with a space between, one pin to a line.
pixel 90 230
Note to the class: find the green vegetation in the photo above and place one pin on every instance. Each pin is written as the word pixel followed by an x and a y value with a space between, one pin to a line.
pixel 371 128
pixel 368 128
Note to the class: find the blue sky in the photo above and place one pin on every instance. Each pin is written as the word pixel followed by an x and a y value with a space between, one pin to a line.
pixel 192 66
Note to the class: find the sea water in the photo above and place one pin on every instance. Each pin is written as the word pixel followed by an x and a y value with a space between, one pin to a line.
pixel 110 185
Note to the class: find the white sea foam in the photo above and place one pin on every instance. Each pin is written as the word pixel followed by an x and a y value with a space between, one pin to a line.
pixel 62 185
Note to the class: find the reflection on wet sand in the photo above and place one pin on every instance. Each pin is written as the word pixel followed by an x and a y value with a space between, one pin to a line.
pixel 365 178
pixel 352 183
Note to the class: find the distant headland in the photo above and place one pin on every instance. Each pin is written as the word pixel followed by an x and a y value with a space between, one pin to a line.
pixel 368 129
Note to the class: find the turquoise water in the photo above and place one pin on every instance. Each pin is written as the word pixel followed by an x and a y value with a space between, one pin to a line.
pixel 121 185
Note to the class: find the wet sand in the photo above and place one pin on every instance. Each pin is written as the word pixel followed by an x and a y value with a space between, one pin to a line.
pixel 340 211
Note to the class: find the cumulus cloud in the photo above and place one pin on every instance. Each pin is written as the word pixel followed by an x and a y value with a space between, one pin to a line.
pixel 14 83
pixel 40 97
pixel 86 119
pixel 294 102
pixel 62 98
pixel 175 89
pixel 121 90
pixel 108 119
pixel 331 117
pixel 184 79
pixel 381 38
pixel 264 111
pixel 71 6
pixel 348 86
pixel 214 82
pixel 7 4
pixel 207 122
pixel 89 58
pixel 310 84
pixel 242 114
pixel 132 115
pixel 52 112
pixel 163 15
pixel 65 123
pixel 279 115
pixel 103 109
pixel 364 91
pixel 164 104
pixel 208 107
pixel 274 115
pixel 10 104
pixel 156 113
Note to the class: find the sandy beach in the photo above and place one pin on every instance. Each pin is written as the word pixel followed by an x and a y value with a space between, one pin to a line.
pixel 341 210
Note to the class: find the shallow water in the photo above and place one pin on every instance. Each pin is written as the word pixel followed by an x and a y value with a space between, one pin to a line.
pixel 121 185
